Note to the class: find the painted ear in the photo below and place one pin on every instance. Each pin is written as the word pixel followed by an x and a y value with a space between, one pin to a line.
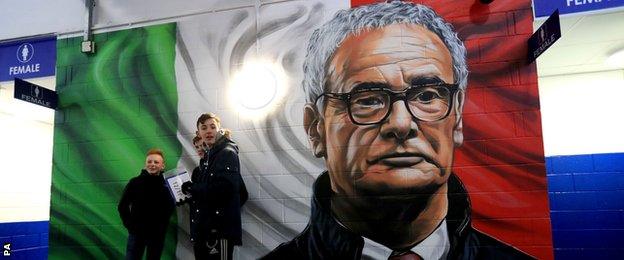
pixel 314 127
pixel 458 134
pixel 458 129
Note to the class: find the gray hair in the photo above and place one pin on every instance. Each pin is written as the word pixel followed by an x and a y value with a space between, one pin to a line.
pixel 326 39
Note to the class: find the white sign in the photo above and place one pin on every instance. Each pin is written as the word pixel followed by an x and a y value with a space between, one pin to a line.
pixel 175 179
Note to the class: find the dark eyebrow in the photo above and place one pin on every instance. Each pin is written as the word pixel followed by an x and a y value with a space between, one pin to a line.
pixel 369 85
pixel 426 81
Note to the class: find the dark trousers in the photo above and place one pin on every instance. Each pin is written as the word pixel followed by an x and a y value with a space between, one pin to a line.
pixel 138 243
pixel 217 249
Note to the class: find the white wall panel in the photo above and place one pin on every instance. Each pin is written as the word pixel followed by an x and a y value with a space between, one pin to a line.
pixel 34 17
pixel 23 18
pixel 25 156
pixel 582 113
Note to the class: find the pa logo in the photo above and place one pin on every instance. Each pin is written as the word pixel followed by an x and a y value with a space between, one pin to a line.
pixel 25 52
pixel 6 249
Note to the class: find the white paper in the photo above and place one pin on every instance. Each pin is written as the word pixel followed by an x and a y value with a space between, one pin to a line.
pixel 175 180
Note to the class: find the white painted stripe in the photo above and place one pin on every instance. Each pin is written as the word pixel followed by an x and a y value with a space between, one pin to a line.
pixel 203 69
pixel 583 113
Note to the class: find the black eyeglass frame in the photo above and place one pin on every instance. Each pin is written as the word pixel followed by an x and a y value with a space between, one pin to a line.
pixel 394 96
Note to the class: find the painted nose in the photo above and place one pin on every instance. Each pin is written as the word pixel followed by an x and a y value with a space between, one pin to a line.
pixel 400 124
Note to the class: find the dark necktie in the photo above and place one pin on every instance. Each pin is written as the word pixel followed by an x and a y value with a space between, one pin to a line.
pixel 409 255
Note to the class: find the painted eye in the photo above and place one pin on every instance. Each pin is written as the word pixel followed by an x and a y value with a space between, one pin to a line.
pixel 368 99
pixel 429 94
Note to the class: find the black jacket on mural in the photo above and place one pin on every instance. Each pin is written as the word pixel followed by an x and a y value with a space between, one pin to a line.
pixel 146 204
pixel 325 238
pixel 218 193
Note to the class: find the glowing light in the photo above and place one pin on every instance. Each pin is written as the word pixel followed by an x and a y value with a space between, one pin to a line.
pixel 257 87
pixel 616 59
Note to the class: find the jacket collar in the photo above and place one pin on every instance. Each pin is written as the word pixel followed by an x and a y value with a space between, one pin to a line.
pixel 219 145
pixel 332 240
pixel 327 236
pixel 145 175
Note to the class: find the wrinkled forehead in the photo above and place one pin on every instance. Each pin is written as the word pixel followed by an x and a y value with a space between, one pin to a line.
pixel 367 55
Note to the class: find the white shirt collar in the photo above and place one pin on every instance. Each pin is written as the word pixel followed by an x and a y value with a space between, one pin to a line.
pixel 435 246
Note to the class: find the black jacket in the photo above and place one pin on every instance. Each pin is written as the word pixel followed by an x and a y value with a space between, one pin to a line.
pixel 325 238
pixel 146 204
pixel 218 193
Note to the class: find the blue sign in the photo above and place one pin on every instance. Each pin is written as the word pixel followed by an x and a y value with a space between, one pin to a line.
pixel 544 37
pixel 28 59
pixel 35 94
pixel 544 8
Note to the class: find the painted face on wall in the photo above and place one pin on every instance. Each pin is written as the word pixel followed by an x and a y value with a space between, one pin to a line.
pixel 400 155
pixel 207 130
pixel 154 164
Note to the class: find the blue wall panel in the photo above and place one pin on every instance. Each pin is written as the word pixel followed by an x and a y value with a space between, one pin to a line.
pixel 586 195
pixel 29 240
pixel 609 162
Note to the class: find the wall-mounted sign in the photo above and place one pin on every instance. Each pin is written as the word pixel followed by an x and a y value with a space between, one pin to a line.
pixel 543 8
pixel 35 94
pixel 28 59
pixel 544 37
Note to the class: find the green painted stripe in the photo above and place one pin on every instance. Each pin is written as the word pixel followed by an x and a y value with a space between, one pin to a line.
pixel 113 107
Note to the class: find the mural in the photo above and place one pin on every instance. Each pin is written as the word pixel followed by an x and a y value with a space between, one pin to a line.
pixel 415 130
pixel 389 165
pixel 113 107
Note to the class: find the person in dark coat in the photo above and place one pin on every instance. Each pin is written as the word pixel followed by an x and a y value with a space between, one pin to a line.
pixel 145 208
pixel 326 238
pixel 218 193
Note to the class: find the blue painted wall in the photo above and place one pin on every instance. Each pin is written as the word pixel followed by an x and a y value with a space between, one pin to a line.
pixel 29 240
pixel 587 205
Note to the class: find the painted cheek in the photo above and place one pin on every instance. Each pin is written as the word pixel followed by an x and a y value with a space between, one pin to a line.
pixel 439 138
pixel 363 143
pixel 338 132
pixel 350 147
pixel 436 132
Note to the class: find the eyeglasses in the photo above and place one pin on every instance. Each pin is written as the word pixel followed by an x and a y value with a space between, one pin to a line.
pixel 369 106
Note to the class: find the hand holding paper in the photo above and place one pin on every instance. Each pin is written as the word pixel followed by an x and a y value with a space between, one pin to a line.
pixel 186 187
pixel 177 180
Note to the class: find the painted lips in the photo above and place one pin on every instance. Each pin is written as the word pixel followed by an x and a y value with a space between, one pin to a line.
pixel 399 159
